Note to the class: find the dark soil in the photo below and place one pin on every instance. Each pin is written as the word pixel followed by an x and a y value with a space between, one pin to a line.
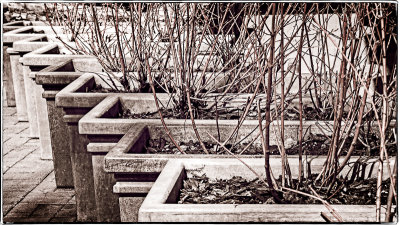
pixel 316 145
pixel 202 190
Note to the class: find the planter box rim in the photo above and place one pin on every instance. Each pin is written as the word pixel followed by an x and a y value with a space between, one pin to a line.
pixel 19 30
pixel 154 206
pixel 118 155
pixel 30 39
pixel 94 116
pixel 68 97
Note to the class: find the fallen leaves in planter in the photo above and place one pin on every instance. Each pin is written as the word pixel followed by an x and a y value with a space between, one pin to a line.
pixel 237 190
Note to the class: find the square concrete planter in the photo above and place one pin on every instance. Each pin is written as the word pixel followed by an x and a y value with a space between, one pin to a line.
pixel 52 79
pixel 160 205
pixel 38 124
pixel 76 102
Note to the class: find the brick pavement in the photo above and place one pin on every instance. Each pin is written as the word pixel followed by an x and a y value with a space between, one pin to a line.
pixel 29 190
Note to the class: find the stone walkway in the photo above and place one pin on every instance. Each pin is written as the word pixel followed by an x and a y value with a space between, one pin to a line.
pixel 29 190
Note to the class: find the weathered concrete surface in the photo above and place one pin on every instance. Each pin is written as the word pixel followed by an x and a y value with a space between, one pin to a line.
pixel 58 132
pixel 129 206
pixel 54 78
pixel 30 91
pixel 50 55
pixel 60 145
pixel 19 86
pixel 43 122
pixel 82 169
pixel 106 201
pixel 8 79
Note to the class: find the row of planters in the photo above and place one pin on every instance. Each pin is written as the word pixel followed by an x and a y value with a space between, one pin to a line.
pixel 19 78
pixel 218 105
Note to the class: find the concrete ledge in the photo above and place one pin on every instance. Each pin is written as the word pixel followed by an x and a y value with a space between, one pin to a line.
pixel 100 147
pixel 49 94
pixel 72 118
pixel 132 187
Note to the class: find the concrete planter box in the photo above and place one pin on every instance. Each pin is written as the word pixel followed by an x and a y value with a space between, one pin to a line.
pixel 38 124
pixel 52 79
pixel 75 105
pixel 160 204
pixel 36 111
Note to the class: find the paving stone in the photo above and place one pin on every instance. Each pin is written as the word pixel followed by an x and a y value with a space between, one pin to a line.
pixel 34 176
pixel 20 186
pixel 32 166
pixel 6 207
pixel 24 133
pixel 14 142
pixel 48 198
pixel 27 220
pixel 23 149
pixel 24 208
pixel 9 121
pixel 13 194
pixel 68 210
pixel 7 137
pixel 46 210
pixel 33 141
pixel 12 213
pixel 9 111
pixel 18 153
pixel 63 220
pixel 26 169
pixel 8 163
pixel 15 129
pixel 10 201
